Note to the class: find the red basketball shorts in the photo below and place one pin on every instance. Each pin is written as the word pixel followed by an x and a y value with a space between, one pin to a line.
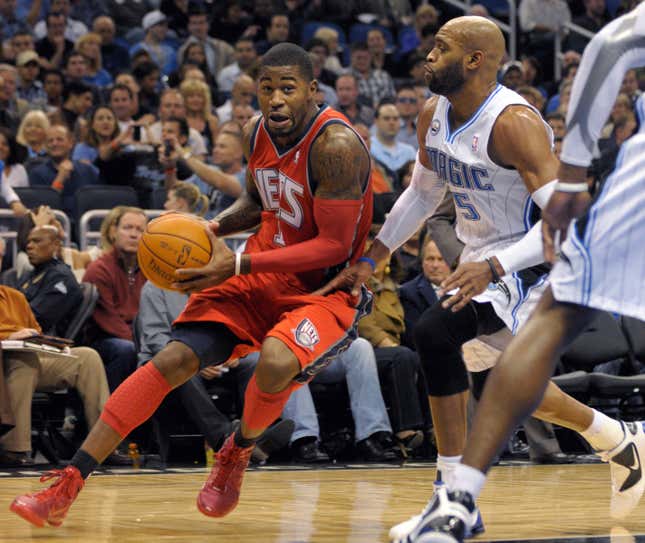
pixel 256 306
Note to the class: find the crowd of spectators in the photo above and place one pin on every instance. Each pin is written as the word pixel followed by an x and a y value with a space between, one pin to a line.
pixel 153 95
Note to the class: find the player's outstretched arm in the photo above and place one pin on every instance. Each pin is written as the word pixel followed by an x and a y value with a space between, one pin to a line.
pixel 415 205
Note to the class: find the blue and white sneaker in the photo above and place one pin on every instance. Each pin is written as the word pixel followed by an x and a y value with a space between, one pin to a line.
pixel 448 519
pixel 400 533
pixel 626 469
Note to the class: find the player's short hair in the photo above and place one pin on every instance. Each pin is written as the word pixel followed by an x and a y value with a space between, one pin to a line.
pixel 289 54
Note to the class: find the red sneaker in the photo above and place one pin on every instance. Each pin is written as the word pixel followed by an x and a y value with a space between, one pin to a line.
pixel 221 491
pixel 50 505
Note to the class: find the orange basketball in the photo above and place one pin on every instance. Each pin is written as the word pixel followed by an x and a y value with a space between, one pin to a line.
pixel 170 242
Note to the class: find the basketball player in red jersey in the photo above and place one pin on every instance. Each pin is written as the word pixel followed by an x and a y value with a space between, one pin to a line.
pixel 308 189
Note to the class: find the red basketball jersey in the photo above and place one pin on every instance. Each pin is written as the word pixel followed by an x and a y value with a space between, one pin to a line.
pixel 283 179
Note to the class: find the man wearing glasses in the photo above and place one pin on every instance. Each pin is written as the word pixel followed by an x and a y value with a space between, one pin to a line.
pixel 408 105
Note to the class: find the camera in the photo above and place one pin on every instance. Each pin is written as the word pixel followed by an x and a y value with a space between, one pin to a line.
pixel 167 148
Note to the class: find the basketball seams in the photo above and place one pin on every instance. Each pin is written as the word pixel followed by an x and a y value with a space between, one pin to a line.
pixel 157 256
pixel 178 236
pixel 152 253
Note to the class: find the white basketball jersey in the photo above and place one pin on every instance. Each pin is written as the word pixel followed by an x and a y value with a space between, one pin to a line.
pixel 494 208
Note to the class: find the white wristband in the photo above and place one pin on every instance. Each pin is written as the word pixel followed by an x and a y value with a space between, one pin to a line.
pixel 238 263
pixel 571 187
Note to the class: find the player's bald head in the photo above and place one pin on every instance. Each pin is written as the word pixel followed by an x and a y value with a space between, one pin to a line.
pixel 475 33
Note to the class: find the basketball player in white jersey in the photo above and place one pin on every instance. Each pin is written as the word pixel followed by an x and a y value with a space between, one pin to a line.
pixel 602 267
pixel 486 145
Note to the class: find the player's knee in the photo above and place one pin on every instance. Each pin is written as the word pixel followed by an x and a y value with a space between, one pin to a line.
pixel 277 366
pixel 176 362
pixel 430 334
pixel 441 359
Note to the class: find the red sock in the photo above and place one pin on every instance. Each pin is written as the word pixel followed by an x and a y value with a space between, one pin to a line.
pixel 262 408
pixel 135 400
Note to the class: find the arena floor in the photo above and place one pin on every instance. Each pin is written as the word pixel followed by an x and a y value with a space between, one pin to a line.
pixel 522 502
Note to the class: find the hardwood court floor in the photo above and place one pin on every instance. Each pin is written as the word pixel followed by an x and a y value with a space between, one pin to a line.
pixel 328 506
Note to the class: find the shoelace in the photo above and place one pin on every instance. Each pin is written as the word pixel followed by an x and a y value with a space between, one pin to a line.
pixel 57 487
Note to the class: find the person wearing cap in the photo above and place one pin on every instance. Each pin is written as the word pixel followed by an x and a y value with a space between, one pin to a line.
pixel 512 74
pixel 29 88
pixel 155 25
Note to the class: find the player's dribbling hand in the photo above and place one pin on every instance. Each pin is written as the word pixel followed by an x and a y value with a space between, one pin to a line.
pixel 471 279
pixel 562 208
pixel 220 267
pixel 350 279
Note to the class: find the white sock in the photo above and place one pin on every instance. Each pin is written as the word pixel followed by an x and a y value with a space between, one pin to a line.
pixel 446 467
pixel 468 479
pixel 604 433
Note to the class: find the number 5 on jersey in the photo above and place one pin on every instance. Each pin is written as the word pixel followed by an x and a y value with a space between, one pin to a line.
pixel 463 202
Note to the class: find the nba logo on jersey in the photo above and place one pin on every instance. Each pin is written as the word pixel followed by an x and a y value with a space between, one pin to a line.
pixel 435 127
pixel 475 144
pixel 306 334
pixel 297 157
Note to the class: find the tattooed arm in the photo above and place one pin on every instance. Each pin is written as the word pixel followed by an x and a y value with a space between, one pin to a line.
pixel 340 166
pixel 245 212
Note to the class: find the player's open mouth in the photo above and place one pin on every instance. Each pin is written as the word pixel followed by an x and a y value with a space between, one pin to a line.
pixel 278 119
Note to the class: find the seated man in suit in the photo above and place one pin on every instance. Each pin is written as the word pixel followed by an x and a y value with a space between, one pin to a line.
pixel 26 371
pixel 420 293
pixel 50 287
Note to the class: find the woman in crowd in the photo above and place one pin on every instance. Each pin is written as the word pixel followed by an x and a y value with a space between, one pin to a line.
pixel 32 133
pixel 13 172
pixel 186 198
pixel 89 45
pixel 103 129
pixel 199 110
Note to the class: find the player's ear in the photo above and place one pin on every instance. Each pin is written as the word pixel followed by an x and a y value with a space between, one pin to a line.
pixel 474 59
pixel 313 87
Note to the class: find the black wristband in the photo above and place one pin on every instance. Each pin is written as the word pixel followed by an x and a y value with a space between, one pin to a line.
pixel 496 277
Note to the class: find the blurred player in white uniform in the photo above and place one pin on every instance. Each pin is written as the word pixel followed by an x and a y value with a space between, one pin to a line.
pixel 601 267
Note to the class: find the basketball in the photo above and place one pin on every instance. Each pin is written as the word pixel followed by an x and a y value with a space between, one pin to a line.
pixel 171 242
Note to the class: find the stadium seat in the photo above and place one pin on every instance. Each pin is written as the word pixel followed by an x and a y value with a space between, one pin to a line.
pixel 103 197
pixel 32 197
pixel 158 198
pixel 634 331
pixel 90 297
pixel 603 341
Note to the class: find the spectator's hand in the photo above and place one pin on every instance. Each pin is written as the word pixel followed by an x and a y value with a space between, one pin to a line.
pixel 43 216
pixel 59 42
pixel 24 333
pixel 167 161
pixel 349 279
pixel 212 372
pixel 146 120
pixel 66 167
pixel 219 269
pixel 471 279
pixel 251 31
